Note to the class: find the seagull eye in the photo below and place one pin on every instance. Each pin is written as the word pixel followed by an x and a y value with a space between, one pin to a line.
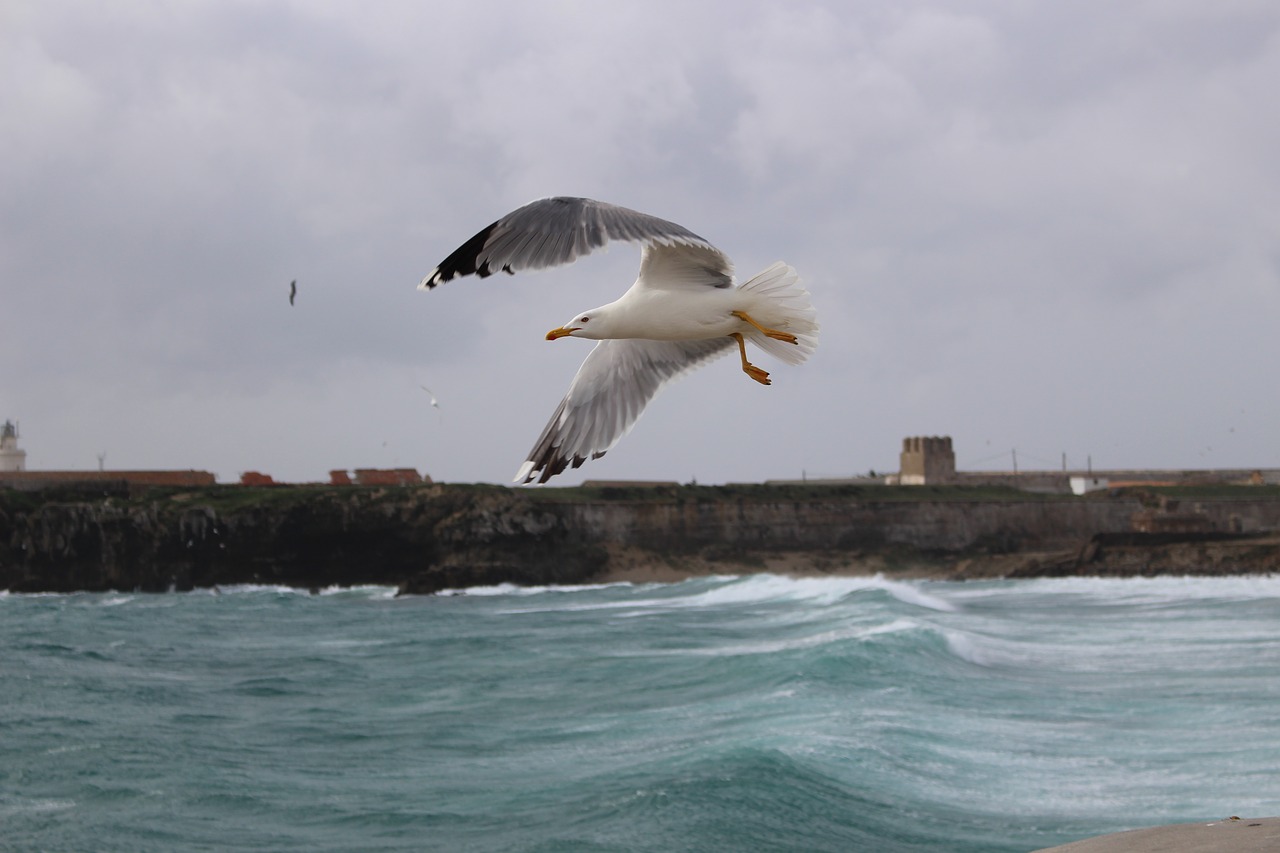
pixel 584 319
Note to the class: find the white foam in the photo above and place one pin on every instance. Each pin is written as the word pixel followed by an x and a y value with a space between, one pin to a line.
pixel 964 647
pixel 719 591
pixel 912 594
pixel 348 644
pixel 897 626
pixel 1154 590
pixel 24 806
pixel 253 588
pixel 811 641
pixel 375 591
pixel 515 590
pixel 824 591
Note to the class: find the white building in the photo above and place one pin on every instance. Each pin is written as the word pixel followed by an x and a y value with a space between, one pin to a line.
pixel 1086 484
pixel 11 458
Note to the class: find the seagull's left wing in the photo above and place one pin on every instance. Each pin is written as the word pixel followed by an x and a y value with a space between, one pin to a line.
pixel 607 396
pixel 553 231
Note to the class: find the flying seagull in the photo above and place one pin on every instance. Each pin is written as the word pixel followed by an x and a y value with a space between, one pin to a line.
pixel 683 311
pixel 293 290
pixel 435 403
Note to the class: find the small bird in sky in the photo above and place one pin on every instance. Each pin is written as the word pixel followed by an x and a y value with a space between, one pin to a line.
pixel 684 310
pixel 293 290
pixel 434 402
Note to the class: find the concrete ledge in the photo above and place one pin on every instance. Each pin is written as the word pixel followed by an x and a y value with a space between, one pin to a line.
pixel 1233 835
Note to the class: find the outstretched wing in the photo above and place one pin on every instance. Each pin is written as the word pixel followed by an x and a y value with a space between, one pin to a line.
pixel 607 396
pixel 553 231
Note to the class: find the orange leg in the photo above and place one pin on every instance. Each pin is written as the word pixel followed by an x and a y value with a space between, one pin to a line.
pixel 747 367
pixel 772 333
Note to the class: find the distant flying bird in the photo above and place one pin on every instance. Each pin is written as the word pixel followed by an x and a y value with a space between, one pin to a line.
pixel 293 290
pixel 682 311
pixel 429 394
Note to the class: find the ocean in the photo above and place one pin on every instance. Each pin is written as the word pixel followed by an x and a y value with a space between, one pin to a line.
pixel 744 713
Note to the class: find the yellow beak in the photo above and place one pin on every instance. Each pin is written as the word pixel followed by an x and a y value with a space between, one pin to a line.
pixel 561 332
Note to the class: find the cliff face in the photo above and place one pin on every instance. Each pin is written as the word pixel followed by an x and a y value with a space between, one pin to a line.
pixel 434 537
pixel 309 538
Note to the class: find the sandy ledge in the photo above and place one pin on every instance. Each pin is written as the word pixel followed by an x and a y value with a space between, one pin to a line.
pixel 1259 555
pixel 1233 835
pixel 639 565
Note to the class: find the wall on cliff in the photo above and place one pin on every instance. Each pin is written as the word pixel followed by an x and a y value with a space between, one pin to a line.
pixel 938 525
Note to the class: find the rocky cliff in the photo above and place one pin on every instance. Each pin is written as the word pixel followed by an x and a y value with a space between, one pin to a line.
pixel 103 536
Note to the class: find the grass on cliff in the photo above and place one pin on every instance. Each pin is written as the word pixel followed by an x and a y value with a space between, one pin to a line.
pixel 762 493
pixel 234 497
pixel 1207 492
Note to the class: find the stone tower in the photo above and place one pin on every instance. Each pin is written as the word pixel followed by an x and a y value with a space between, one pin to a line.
pixel 926 460
pixel 11 458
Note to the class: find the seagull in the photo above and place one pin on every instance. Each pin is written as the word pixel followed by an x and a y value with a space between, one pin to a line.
pixel 293 290
pixel 683 311
pixel 434 402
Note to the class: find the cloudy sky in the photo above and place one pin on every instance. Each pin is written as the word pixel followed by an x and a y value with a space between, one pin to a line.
pixel 1049 228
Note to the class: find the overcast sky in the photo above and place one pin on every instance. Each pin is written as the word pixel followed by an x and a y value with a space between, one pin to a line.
pixel 1043 227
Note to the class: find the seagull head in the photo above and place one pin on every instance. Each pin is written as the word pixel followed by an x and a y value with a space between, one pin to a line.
pixel 596 324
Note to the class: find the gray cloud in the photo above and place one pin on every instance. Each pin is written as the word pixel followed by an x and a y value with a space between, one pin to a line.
pixel 1044 227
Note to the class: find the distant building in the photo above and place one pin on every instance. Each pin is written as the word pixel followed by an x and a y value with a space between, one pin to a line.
pixel 377 477
pixel 11 458
pixel 1081 485
pixel 926 460
pixel 387 477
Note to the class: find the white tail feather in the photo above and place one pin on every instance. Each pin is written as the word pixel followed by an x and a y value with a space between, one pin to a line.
pixel 779 301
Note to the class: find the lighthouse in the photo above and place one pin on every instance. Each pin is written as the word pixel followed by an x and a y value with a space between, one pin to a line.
pixel 11 458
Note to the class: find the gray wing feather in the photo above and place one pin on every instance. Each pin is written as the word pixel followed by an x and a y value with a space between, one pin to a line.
pixel 553 231
pixel 606 397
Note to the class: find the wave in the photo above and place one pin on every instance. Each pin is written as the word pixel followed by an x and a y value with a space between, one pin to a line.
pixel 1163 589
pixel 361 590
pixel 741 589
pixel 374 591
pixel 827 595
pixel 763 588
pixel 258 588
pixel 19 806
pixel 861 633
pixel 968 649
pixel 515 590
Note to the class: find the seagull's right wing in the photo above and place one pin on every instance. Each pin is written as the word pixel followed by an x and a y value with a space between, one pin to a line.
pixel 613 385
pixel 553 231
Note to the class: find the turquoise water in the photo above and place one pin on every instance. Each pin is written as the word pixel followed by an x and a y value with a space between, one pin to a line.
pixel 735 714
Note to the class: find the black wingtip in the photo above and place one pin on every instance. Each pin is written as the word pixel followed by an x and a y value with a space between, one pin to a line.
pixel 463 261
